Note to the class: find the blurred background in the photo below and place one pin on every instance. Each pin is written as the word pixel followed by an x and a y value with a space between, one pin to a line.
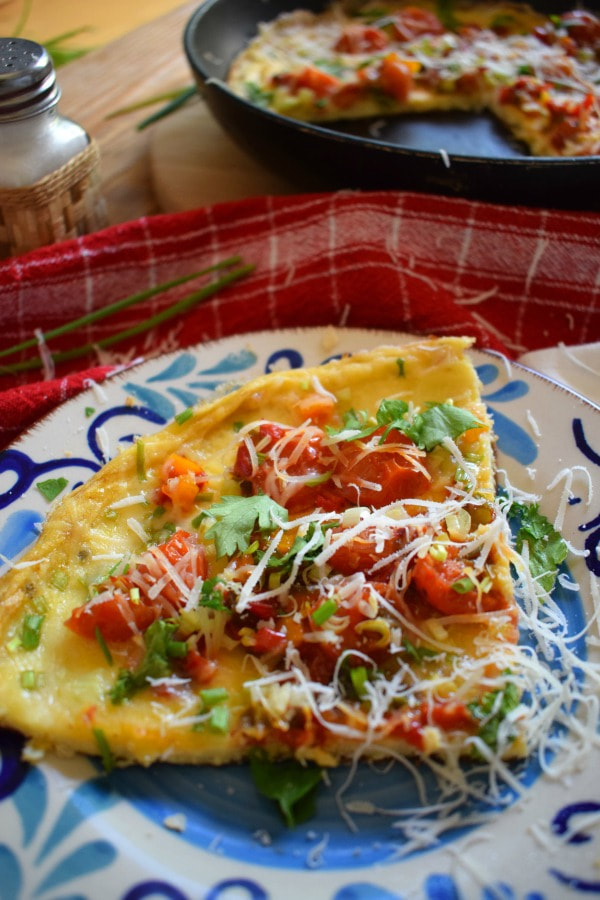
pixel 95 23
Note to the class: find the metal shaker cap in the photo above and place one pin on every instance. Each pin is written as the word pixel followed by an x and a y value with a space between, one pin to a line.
pixel 27 79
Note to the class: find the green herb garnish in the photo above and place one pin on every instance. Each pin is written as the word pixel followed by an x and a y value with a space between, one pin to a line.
pixel 463 585
pixel 288 782
pixel 235 519
pixel 146 324
pixel 106 754
pixel 210 596
pixel 32 631
pixel 103 645
pixel 325 611
pixel 547 549
pixel 160 647
pixel 418 654
pixel 140 460
pixel 492 709
pixel 51 488
pixel 184 416
pixel 427 429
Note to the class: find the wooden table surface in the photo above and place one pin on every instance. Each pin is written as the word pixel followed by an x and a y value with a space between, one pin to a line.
pixel 101 20
pixel 143 63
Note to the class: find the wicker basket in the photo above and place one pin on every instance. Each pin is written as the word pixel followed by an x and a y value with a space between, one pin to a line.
pixel 64 204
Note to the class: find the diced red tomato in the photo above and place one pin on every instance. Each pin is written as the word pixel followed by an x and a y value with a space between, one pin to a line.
pixel 119 613
pixel 316 407
pixel 181 481
pixel 582 27
pixel 263 609
pixel 398 479
pixel 363 551
pixel 319 82
pixel 413 22
pixel 524 88
pixel 117 617
pixel 434 579
pixel 198 667
pixel 362 39
pixel 396 77
pixel 268 434
pixel 267 640
pixel 375 478
pixel 450 715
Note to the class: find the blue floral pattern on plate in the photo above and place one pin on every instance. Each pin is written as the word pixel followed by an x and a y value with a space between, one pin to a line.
pixel 60 843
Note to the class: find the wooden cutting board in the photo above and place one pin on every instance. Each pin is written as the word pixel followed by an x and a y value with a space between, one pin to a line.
pixel 194 163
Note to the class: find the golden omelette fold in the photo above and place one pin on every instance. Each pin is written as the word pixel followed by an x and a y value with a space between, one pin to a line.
pixel 296 567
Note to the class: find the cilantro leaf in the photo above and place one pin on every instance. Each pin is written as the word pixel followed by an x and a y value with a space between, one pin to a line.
pixel 353 421
pixel 289 783
pixel 438 421
pixel 491 711
pixel 237 517
pixel 418 654
pixel 155 664
pixel 51 488
pixel 391 411
pixel 286 560
pixel 428 428
pixel 547 549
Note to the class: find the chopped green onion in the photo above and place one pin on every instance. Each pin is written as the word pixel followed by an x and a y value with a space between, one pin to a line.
pixel 39 604
pixel 324 612
pixel 103 645
pixel 59 579
pixel 181 306
pixel 140 460
pixel 32 630
pixel 400 364
pixel 13 644
pixel 178 649
pixel 219 720
pixel 438 552
pixel 359 678
pixel 184 416
pixel 319 479
pixel 51 488
pixel 253 547
pixel 28 680
pixel 213 696
pixel 463 585
pixel 158 511
pixel 108 760
pixel 237 426
pixel 89 411
pixel 105 311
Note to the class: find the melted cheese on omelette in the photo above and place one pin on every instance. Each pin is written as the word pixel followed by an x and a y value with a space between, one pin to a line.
pixel 536 74
pixel 313 564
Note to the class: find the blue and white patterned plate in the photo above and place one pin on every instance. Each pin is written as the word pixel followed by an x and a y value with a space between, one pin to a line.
pixel 69 831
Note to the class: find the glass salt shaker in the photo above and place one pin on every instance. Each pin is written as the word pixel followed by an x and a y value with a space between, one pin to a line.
pixel 49 166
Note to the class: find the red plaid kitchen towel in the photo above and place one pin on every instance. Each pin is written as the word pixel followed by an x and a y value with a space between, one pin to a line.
pixel 514 278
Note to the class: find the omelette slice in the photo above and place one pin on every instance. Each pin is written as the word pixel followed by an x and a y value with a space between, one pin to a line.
pixel 313 565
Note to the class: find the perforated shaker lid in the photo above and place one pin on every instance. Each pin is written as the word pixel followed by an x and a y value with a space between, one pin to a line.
pixel 27 79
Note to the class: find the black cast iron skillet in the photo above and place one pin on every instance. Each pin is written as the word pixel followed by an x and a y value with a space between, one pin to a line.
pixel 485 162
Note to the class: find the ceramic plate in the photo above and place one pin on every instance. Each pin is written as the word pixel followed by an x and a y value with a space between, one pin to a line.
pixel 69 831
